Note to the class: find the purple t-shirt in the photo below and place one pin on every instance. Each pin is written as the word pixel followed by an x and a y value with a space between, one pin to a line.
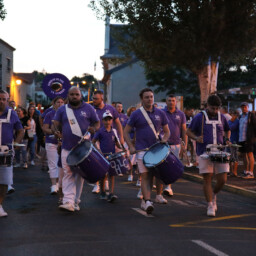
pixel 123 119
pixel 106 139
pixel 145 137
pixel 7 128
pixel 109 108
pixel 196 128
pixel 175 122
pixel 46 112
pixel 85 116
pixel 48 120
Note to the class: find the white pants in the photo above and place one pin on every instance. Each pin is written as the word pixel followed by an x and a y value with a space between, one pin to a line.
pixel 52 158
pixel 72 184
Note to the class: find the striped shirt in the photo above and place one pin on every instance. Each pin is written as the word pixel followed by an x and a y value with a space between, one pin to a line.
pixel 243 122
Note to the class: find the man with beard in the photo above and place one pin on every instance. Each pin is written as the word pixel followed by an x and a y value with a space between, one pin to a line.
pixel 209 127
pixel 9 123
pixel 74 120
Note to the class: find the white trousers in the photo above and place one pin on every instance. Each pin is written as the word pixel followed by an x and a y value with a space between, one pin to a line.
pixel 72 184
pixel 52 158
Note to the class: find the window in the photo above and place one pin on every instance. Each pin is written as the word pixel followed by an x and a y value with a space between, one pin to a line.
pixel 8 65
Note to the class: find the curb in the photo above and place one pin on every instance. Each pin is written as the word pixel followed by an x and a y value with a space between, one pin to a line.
pixel 227 187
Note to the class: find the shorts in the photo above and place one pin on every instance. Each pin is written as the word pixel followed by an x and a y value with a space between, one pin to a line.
pixel 142 168
pixel 247 147
pixel 6 175
pixel 207 166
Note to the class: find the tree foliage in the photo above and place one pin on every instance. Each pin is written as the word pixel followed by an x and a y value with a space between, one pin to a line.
pixel 2 10
pixel 185 33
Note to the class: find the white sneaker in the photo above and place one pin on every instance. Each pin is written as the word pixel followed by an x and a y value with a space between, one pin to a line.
pixel 106 185
pixel 10 189
pixel 138 184
pixel 54 189
pixel 211 210
pixel 147 206
pixel 2 212
pixel 17 165
pixel 32 162
pixel 130 178
pixel 76 207
pixel 139 195
pixel 67 206
pixel 160 199
pixel 120 175
pixel 25 166
pixel 96 189
pixel 168 191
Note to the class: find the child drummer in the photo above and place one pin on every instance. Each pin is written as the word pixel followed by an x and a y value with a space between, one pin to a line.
pixel 107 138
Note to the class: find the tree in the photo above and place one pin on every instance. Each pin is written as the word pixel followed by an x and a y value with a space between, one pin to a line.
pixel 2 10
pixel 190 34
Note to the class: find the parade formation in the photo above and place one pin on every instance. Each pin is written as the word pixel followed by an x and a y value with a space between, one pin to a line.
pixel 98 143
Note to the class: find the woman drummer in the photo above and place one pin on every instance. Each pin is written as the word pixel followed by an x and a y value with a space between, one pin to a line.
pixel 51 145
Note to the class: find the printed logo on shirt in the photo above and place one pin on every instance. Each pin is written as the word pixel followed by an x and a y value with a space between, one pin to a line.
pixel 83 114
pixel 157 117
pixel 177 117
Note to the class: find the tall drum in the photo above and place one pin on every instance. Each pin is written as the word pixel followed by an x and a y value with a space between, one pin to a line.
pixel 163 163
pixel 85 160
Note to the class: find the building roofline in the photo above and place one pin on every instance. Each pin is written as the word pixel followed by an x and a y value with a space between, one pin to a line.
pixel 7 45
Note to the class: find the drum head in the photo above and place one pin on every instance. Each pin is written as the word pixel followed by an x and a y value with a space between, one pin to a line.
pixel 156 154
pixel 79 153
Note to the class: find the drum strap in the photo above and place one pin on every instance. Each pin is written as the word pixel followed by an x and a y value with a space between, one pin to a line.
pixel 115 132
pixel 6 120
pixel 75 128
pixel 214 125
pixel 145 114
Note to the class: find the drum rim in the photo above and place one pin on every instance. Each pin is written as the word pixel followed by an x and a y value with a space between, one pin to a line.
pixel 114 156
pixel 168 153
pixel 88 153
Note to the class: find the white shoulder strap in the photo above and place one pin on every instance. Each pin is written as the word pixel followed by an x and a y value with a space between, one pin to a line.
pixel 145 114
pixel 75 128
pixel 115 132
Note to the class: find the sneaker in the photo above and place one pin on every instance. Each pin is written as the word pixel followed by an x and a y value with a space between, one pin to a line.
pixel 248 176
pixel 103 196
pixel 211 211
pixel 106 185
pixel 139 195
pixel 77 207
pixel 138 183
pixel 67 207
pixel 96 189
pixel 111 198
pixel 10 190
pixel 130 178
pixel 25 166
pixel 168 191
pixel 32 162
pixel 154 186
pixel 2 212
pixel 54 189
pixel 147 206
pixel 120 175
pixel 17 165
pixel 160 199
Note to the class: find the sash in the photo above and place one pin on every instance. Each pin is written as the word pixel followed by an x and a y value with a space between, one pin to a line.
pixel 75 128
pixel 145 114
pixel 214 125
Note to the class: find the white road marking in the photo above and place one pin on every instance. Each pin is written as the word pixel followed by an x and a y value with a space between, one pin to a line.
pixel 196 203
pixel 181 202
pixel 143 212
pixel 209 248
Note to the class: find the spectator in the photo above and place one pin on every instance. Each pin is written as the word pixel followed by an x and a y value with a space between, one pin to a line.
pixel 224 111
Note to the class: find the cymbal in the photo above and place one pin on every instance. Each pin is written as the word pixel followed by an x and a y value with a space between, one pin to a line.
pixel 235 146
pixel 216 146
pixel 18 145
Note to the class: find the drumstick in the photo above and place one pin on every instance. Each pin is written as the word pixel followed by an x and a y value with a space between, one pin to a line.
pixel 140 150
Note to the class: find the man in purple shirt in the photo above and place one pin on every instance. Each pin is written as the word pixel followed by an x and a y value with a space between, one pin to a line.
pixel 74 120
pixel 101 108
pixel 177 127
pixel 208 129
pixel 9 123
pixel 122 117
pixel 146 137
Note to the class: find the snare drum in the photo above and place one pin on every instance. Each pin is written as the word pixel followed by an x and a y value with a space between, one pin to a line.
pixel 6 158
pixel 119 164
pixel 164 164
pixel 219 157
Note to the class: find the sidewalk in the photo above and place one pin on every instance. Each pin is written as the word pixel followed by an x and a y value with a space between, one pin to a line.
pixel 234 184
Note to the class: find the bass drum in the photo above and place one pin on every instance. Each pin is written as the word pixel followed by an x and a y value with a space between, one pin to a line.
pixel 86 160
pixel 119 164
pixel 163 163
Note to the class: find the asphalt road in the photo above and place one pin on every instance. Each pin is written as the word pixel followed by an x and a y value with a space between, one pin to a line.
pixel 35 226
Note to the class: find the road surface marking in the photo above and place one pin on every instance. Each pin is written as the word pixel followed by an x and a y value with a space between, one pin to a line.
pixel 180 194
pixel 232 228
pixel 181 202
pixel 209 248
pixel 143 212
pixel 210 220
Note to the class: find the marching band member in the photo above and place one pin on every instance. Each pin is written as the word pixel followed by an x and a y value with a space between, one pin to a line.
pixel 146 136
pixel 74 120
pixel 9 122
pixel 209 127
pixel 177 127
pixel 51 145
